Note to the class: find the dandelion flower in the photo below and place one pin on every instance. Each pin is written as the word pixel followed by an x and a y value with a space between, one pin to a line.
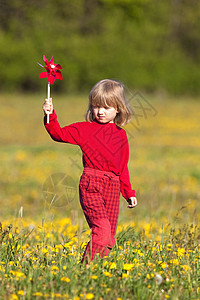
pixel 66 279
pixel 39 294
pixel 14 297
pixel 89 296
pixel 128 267
pixel 107 274
pixel 20 292
pixel 124 275
pixel 113 265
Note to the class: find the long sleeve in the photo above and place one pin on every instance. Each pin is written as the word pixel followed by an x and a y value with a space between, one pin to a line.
pixel 126 189
pixel 68 134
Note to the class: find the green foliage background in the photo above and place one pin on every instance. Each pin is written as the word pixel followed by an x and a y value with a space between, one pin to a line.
pixel 151 45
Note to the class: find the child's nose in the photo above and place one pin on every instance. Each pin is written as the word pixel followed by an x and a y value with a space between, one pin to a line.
pixel 100 110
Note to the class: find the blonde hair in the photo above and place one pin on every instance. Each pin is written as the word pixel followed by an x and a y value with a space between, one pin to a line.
pixel 109 93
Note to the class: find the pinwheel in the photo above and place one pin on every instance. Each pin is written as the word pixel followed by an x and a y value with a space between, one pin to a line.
pixel 52 72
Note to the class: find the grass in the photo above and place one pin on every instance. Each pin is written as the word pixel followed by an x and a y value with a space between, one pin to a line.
pixel 43 262
pixel 157 250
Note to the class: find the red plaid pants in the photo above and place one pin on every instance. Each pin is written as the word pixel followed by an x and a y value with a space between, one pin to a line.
pixel 99 197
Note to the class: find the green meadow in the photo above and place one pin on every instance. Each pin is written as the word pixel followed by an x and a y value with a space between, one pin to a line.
pixel 156 255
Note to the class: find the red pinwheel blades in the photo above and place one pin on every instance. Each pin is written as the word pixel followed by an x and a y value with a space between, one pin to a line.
pixel 53 70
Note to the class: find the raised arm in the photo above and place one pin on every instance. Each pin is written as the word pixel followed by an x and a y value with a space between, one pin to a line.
pixel 68 134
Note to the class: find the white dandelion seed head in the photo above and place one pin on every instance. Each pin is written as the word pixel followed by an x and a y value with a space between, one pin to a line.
pixel 158 279
pixel 31 227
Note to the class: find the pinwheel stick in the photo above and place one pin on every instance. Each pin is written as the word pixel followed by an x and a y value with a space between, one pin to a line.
pixel 48 97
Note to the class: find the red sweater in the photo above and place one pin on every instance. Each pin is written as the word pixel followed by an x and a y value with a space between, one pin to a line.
pixel 104 147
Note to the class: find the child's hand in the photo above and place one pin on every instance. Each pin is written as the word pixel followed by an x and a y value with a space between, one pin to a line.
pixel 48 106
pixel 132 202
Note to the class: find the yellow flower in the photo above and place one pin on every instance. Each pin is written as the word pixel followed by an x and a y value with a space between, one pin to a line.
pixel 14 297
pixel 149 286
pixel 113 265
pixel 149 276
pixel 108 274
pixel 55 268
pixel 94 277
pixel 89 296
pixel 44 250
pixel 49 235
pixel 83 245
pixel 66 279
pixel 140 253
pixel 162 264
pixel 55 249
pixel 94 267
pixel 128 267
pixel 68 245
pixel 18 274
pixel 38 294
pixel 10 235
pixel 56 295
pixel 186 268
pixel 174 261
pixel 20 292
pixel 124 275
pixel 181 252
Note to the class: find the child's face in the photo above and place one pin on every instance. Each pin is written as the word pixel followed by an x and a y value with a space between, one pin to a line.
pixel 104 114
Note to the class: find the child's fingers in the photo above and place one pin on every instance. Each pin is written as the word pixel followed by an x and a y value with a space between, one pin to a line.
pixel 48 106
pixel 48 101
pixel 132 202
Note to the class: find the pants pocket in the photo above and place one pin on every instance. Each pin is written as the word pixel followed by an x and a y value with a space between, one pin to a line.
pixel 93 185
